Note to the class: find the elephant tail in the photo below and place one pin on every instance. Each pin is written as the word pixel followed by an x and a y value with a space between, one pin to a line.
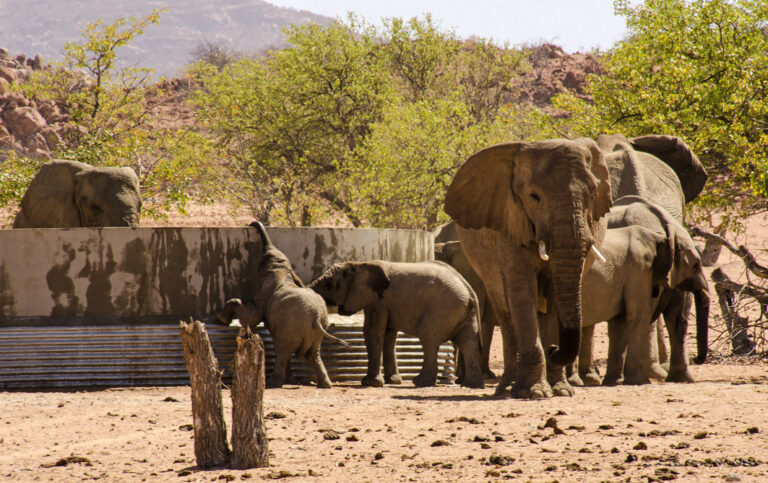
pixel 266 243
pixel 701 300
pixel 326 334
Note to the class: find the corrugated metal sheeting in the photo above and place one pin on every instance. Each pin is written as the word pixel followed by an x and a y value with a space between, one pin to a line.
pixel 144 355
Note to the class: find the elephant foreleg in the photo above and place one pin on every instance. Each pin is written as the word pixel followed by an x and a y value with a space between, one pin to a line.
pixel 657 345
pixel 586 367
pixel 676 319
pixel 391 374
pixel 509 346
pixel 556 375
pixel 617 346
pixel 374 328
pixel 641 335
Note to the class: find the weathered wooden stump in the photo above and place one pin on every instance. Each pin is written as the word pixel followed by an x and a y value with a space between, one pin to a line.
pixel 249 435
pixel 210 430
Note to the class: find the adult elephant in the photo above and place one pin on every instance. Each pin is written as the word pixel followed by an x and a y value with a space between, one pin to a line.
pixel 527 215
pixel 661 169
pixel 69 194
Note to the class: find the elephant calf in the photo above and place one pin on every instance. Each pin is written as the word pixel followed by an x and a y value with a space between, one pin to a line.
pixel 428 300
pixel 295 316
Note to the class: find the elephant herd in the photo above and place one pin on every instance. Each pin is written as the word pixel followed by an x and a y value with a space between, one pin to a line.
pixel 567 233
pixel 546 240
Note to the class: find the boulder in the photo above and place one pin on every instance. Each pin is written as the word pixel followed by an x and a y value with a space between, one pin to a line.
pixel 23 121
pixel 8 74
pixel 51 136
pixel 4 53
pixel 5 86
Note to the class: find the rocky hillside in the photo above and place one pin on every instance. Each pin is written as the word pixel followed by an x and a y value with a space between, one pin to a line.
pixel 25 127
pixel 44 26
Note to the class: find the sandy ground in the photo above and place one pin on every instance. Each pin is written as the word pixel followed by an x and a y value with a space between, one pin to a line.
pixel 715 428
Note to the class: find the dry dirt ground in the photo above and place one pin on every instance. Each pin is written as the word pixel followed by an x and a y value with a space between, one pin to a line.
pixel 715 429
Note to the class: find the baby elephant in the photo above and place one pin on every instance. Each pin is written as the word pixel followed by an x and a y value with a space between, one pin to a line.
pixel 295 316
pixel 428 300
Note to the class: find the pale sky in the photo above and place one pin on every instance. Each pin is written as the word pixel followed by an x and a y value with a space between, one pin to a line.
pixel 575 25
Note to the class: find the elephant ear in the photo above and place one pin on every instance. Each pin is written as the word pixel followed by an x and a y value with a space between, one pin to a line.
pixel 481 195
pixel 602 201
pixel 445 252
pixel 675 153
pixel 661 268
pixel 377 279
pixel 49 202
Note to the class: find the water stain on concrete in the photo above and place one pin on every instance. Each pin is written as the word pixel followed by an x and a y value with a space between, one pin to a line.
pixel 61 285
pixel 7 300
pixel 132 297
pixel 99 266
pixel 212 261
pixel 168 272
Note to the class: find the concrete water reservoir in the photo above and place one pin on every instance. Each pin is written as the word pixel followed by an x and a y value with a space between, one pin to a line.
pixel 100 307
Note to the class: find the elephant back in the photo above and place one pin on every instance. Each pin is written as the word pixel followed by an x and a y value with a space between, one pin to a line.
pixel 49 200
pixel 642 174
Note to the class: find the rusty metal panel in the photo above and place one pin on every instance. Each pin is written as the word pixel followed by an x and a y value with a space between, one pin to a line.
pixel 58 357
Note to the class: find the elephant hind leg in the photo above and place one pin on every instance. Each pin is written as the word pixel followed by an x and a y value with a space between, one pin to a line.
pixel 428 375
pixel 469 349
pixel 391 374
pixel 314 359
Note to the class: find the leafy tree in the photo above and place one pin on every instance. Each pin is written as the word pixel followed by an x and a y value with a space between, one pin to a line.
pixel 288 124
pixel 405 166
pixel 337 120
pixel 698 70
pixel 215 53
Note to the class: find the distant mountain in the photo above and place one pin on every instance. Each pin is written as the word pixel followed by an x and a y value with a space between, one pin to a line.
pixel 43 27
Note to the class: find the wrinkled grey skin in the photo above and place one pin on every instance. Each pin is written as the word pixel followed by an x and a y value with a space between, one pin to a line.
pixel 625 290
pixel 664 171
pixel 686 280
pixel 506 200
pixel 295 316
pixel 70 194
pixel 451 253
pixel 428 300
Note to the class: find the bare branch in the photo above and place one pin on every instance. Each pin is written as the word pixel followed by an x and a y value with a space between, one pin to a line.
pixel 746 256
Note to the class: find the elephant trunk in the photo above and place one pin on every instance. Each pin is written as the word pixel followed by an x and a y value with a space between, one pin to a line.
pixel 701 300
pixel 566 267
pixel 266 243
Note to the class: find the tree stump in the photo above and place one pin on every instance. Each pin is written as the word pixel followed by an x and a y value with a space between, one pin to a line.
pixel 210 430
pixel 249 435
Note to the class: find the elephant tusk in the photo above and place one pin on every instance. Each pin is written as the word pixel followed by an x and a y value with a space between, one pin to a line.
pixel 598 254
pixel 543 251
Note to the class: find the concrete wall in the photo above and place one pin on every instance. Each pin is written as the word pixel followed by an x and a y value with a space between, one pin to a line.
pixel 124 273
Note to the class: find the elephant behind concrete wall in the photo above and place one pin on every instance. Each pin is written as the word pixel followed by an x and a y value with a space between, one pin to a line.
pixel 70 194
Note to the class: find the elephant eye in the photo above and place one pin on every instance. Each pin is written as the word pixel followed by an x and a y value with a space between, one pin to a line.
pixel 535 197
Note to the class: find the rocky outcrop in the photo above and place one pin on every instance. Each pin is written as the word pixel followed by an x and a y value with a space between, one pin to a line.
pixel 29 128
pixel 554 71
